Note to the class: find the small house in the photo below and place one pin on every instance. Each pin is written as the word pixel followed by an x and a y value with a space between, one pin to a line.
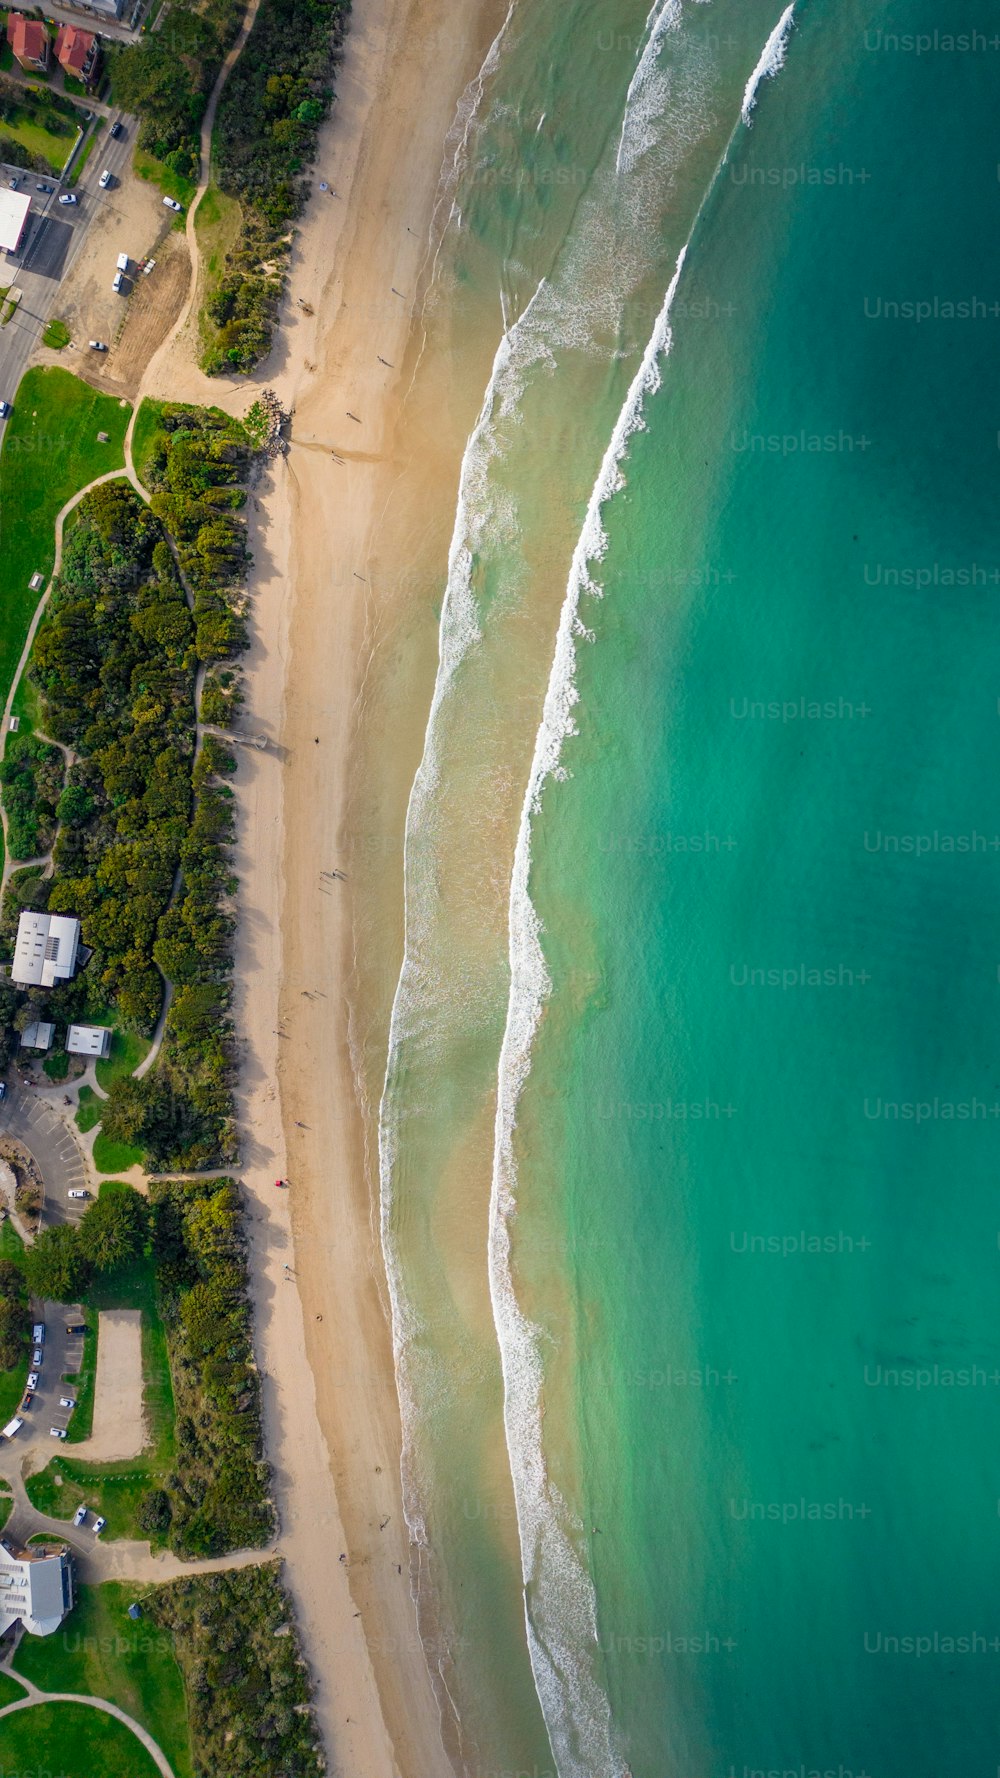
pixel 88 1040
pixel 78 54
pixel 29 40
pixel 38 1036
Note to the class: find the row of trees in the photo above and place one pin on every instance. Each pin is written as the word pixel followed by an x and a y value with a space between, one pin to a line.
pixel 31 776
pixel 248 1688
pixel 62 1261
pixel 15 1317
pixel 265 136
pixel 217 1498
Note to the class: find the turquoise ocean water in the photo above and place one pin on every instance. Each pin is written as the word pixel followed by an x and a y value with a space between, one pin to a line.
pixel 724 1078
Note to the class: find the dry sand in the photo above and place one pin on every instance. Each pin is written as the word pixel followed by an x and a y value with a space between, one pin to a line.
pixel 119 1428
pixel 322 1329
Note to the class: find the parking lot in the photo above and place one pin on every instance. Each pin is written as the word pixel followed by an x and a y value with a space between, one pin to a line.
pixel 62 1357
pixel 51 1139
pixel 60 242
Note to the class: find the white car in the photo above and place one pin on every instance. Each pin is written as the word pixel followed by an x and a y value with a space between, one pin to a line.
pixel 99 1525
pixel 38 1333
pixel 78 1192
pixel 57 1432
pixel 118 282
pixel 32 1382
pixel 80 1516
pixel 96 346
pixel 67 197
pixel 36 1358
pixel 105 180
pixel 67 1401
pixel 4 409
pixel 172 204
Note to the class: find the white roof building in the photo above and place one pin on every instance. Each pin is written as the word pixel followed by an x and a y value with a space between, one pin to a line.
pixel 14 208
pixel 36 1586
pixel 88 1040
pixel 37 1036
pixel 45 951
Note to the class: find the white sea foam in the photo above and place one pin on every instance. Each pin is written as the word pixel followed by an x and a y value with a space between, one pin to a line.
pixel 771 61
pixel 561 1607
pixel 648 90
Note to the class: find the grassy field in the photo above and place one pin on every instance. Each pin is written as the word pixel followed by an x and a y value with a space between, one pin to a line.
pixel 53 144
pixel 11 1382
pixel 114 1157
pixel 50 451
pixel 217 224
pixel 85 152
pixel 147 423
pixel 115 1489
pixel 91 1110
pixel 9 1692
pixel 127 1051
pixel 99 1651
pixel 171 184
pixel 74 1740
pixel 82 1386
pixel 56 335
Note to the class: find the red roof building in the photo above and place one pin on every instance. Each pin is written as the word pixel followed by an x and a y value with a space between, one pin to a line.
pixel 29 40
pixel 78 53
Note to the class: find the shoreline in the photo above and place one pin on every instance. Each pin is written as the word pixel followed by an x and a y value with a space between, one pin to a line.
pixel 333 1425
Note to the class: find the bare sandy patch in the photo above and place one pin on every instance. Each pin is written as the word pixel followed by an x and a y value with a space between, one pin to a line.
pixel 131 220
pixel 119 1421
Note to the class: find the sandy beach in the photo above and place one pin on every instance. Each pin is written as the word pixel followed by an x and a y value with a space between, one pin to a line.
pixel 322 1325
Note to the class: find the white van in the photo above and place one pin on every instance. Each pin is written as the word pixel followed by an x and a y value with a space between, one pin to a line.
pixel 11 1427
pixel 122 262
pixel 38 1333
pixel 119 282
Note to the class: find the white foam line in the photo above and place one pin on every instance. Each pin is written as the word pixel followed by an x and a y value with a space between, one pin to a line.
pixel 772 59
pixel 666 17
pixel 562 1635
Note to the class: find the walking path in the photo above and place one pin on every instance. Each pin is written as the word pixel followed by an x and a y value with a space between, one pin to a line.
pixel 36 1697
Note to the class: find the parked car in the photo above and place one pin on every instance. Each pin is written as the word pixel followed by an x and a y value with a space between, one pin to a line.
pixel 118 283
pixel 47 189
pixel 36 1358
pixel 13 184
pixel 67 197
pixel 32 1380
pixel 80 1516
pixel 105 180
pixel 67 1401
pixel 57 1432
pixel 98 346
pixel 115 130
pixel 26 1403
pixel 38 1333
pixel 76 1327
pixel 12 1427
pixel 4 409
pixel 78 1191
pixel 172 204
pixel 99 1525
pixel 3 1090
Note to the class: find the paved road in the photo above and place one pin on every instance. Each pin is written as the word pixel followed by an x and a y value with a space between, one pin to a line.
pixel 54 235
pixel 52 1141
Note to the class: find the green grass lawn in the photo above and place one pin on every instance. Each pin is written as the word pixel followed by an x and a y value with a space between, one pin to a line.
pixel 56 1066
pixel 9 1692
pixel 114 1157
pixel 85 151
pixel 147 424
pixel 56 335
pixel 52 144
pixel 81 1420
pixel 101 1652
pixel 171 184
pixel 91 1110
pixel 127 1051
pixel 50 451
pixel 11 1382
pixel 115 1489
pixel 75 1741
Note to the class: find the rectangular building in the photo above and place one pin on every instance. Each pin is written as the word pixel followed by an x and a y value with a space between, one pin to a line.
pixel 14 210
pixel 45 950
pixel 88 1040
pixel 78 53
pixel 36 1586
pixel 29 40
pixel 37 1036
